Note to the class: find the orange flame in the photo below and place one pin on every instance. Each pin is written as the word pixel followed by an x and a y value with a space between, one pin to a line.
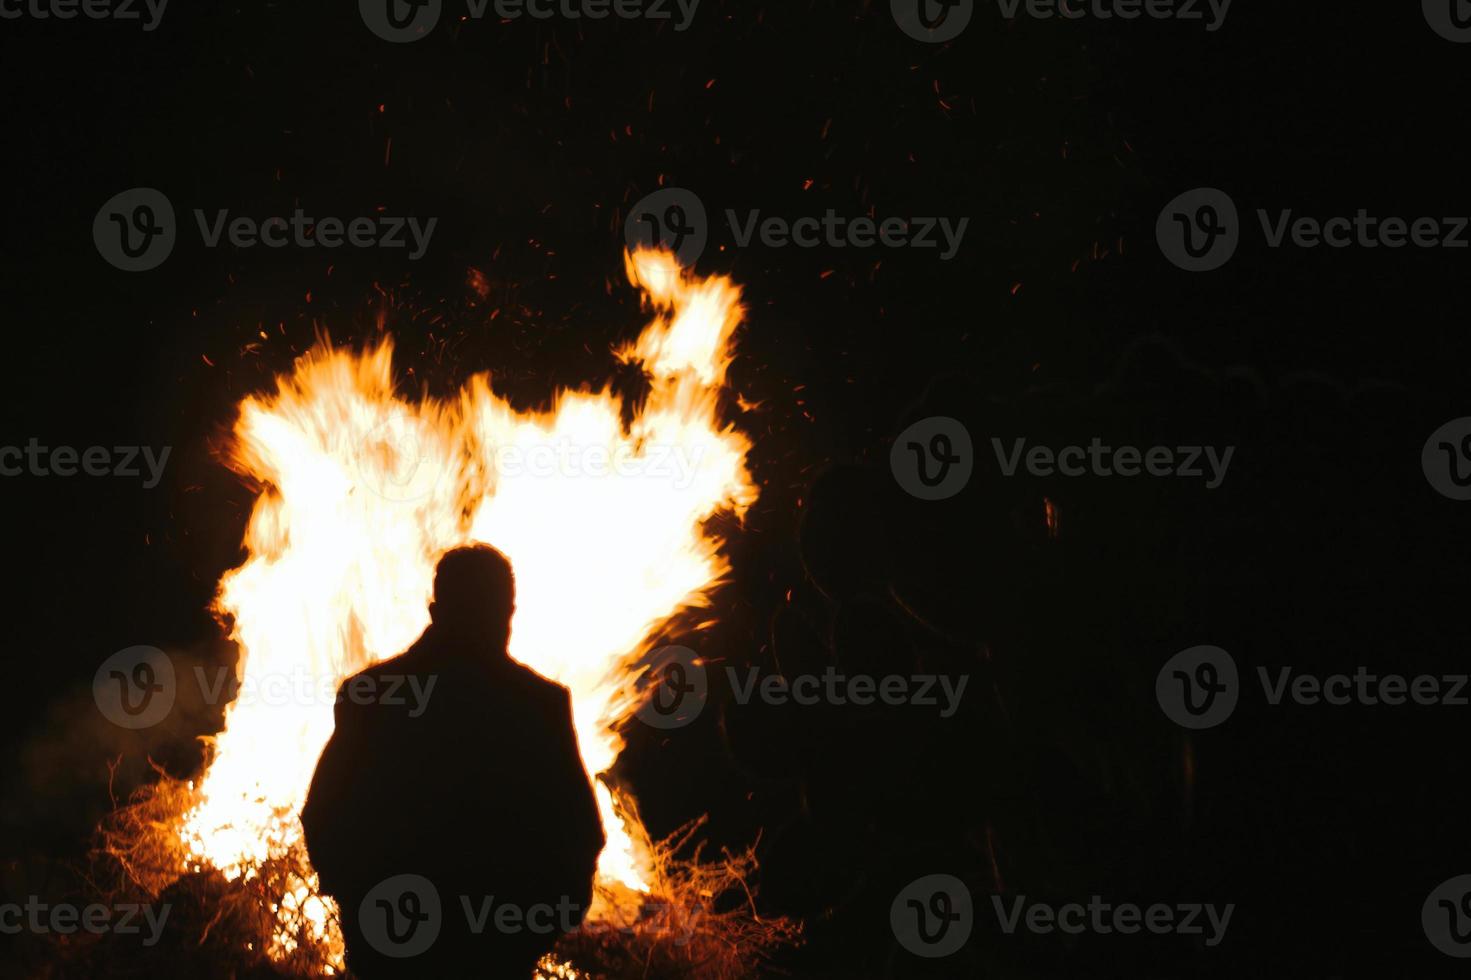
pixel 363 491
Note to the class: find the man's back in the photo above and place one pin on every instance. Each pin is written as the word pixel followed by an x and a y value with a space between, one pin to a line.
pixel 455 764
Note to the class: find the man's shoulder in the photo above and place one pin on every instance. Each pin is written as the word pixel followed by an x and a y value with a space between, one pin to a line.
pixel 403 663
pixel 374 684
pixel 536 685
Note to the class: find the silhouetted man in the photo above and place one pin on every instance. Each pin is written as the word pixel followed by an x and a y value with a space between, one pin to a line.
pixel 450 816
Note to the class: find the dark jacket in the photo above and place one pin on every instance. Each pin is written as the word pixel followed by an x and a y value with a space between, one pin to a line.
pixel 473 783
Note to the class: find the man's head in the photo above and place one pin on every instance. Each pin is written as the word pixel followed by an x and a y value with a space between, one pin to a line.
pixel 474 594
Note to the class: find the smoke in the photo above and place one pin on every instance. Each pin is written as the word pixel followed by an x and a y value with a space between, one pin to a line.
pixel 75 766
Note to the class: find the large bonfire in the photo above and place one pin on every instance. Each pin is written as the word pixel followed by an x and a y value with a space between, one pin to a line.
pixel 602 509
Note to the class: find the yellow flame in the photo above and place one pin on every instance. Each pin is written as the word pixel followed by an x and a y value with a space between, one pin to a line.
pixel 363 491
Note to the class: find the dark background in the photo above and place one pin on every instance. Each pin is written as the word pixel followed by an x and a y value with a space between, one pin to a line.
pixel 1059 320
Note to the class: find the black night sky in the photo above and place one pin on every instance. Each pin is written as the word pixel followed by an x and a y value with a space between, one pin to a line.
pixel 1058 320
